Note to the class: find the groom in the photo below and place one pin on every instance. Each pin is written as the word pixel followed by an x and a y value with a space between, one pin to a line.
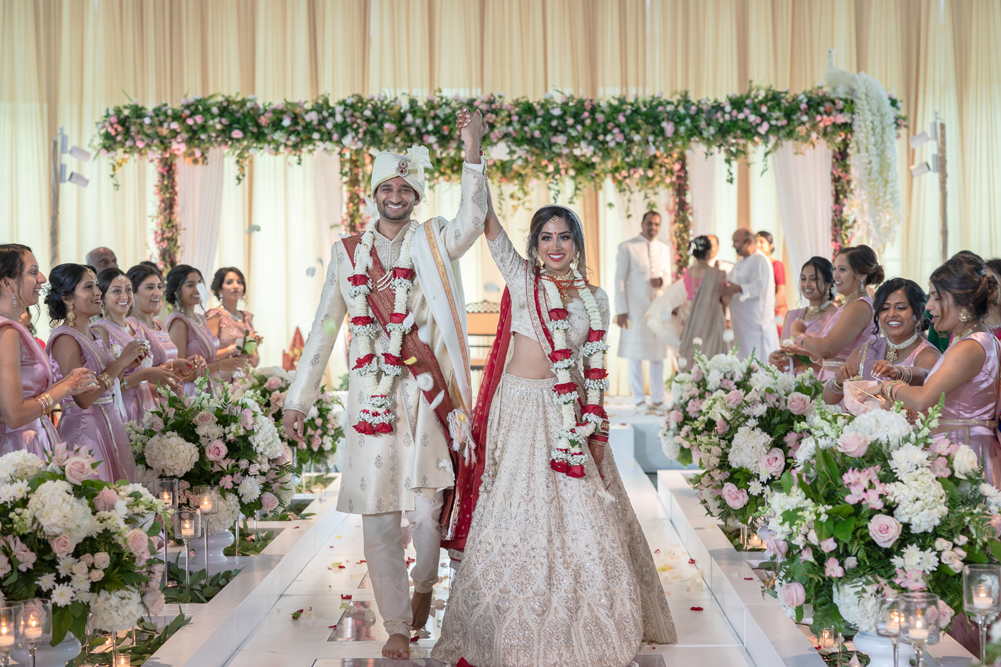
pixel 409 384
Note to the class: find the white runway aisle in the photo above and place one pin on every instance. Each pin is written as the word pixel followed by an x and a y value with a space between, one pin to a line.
pixel 338 571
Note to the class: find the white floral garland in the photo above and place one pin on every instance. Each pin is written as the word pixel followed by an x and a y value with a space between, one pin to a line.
pixel 568 453
pixel 874 163
pixel 375 415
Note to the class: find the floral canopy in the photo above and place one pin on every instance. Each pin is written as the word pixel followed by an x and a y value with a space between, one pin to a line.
pixel 640 143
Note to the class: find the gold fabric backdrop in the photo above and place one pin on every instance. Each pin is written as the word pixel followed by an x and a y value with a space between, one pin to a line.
pixel 65 61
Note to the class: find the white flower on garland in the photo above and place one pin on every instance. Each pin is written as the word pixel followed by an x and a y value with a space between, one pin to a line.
pixel 265 437
pixel 171 454
pixel 114 611
pixel 228 507
pixel 10 493
pixel 921 501
pixel 913 557
pixel 249 489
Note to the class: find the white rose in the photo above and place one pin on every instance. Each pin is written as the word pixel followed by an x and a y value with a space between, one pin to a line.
pixel 965 462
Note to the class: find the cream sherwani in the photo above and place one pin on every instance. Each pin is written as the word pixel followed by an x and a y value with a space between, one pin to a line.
pixel 385 473
pixel 752 310
pixel 637 263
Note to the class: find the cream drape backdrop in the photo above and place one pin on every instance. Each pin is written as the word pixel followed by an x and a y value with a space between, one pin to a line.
pixel 66 61
pixel 199 205
pixel 803 185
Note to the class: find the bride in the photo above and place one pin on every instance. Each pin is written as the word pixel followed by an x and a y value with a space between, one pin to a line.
pixel 555 570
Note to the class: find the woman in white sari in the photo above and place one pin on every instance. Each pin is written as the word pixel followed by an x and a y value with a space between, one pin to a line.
pixel 555 570
pixel 691 310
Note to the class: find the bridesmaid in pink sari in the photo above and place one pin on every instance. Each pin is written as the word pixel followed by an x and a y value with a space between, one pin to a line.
pixel 189 330
pixel 900 352
pixel 855 268
pixel 140 384
pixel 816 285
pixel 967 375
pixel 93 419
pixel 29 390
pixel 227 321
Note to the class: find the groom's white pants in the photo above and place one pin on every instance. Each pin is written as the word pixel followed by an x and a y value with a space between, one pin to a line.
pixel 387 565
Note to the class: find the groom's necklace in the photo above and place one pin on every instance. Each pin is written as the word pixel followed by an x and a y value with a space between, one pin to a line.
pixel 893 348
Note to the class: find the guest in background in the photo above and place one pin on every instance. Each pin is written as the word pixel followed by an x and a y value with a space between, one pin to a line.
pixel 29 391
pixel 752 313
pixel 767 246
pixel 91 418
pixel 961 295
pixel 900 352
pixel 721 264
pixel 139 395
pixel 993 319
pixel 188 330
pixel 101 259
pixel 689 312
pixel 816 285
pixel 147 286
pixel 641 267
pixel 855 268
pixel 226 321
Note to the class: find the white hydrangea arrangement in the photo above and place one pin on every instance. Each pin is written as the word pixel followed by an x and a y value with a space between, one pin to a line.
pixel 75 540
pixel 742 423
pixel 323 430
pixel 886 507
pixel 216 439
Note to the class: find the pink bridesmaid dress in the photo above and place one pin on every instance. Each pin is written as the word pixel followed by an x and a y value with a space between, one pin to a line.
pixel 231 331
pixel 875 350
pixel 830 366
pixel 138 399
pixel 813 327
pixel 201 341
pixel 37 376
pixel 161 347
pixel 970 412
pixel 99 427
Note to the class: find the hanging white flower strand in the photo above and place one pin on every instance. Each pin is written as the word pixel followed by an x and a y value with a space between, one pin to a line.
pixel 568 453
pixel 374 416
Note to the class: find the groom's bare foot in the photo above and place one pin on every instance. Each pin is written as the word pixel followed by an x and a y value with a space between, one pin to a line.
pixel 420 605
pixel 398 646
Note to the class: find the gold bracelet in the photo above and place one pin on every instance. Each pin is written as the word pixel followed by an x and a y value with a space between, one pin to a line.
pixel 44 401
pixel 835 386
pixel 105 379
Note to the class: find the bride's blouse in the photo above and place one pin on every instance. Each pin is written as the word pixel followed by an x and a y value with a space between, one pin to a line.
pixel 515 268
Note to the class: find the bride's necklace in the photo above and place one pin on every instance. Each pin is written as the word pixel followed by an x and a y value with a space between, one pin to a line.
pixel 893 348
pixel 571 281
pixel 813 310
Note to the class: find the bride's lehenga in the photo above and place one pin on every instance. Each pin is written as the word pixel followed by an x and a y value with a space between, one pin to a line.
pixel 554 571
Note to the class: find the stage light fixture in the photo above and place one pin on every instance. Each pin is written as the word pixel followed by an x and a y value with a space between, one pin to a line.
pixel 79 179
pixel 920 169
pixel 80 154
pixel 919 140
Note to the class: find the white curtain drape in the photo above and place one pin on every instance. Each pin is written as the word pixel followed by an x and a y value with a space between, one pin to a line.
pixel 803 186
pixel 329 210
pixel 199 204
pixel 702 189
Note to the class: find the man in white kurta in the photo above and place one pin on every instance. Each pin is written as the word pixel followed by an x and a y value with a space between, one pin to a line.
pixel 406 471
pixel 752 308
pixel 642 269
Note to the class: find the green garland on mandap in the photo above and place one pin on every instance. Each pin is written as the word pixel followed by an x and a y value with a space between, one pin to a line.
pixel 633 141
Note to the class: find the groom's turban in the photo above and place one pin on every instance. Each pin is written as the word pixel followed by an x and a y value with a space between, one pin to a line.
pixel 410 167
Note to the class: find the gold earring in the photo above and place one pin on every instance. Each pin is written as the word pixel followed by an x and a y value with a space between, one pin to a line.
pixel 964 316
pixel 70 315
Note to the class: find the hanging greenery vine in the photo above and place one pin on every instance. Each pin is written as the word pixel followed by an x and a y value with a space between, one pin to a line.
pixel 167 225
pixel 681 213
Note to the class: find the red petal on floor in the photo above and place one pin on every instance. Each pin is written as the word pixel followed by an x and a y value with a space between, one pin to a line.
pixel 345 597
pixel 656 551
pixel 691 561
pixel 748 578
pixel 332 627
pixel 696 608
pixel 413 640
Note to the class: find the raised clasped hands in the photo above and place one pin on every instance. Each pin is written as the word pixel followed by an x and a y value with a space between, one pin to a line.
pixel 472 129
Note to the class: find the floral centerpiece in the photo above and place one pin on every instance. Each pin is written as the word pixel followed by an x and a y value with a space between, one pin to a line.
pixel 877 504
pixel 220 441
pixel 80 542
pixel 742 422
pixel 322 430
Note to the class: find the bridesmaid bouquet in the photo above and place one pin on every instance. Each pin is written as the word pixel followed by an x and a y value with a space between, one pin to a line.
pixel 877 504
pixel 247 345
pixel 218 440
pixel 323 429
pixel 80 542
pixel 742 423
